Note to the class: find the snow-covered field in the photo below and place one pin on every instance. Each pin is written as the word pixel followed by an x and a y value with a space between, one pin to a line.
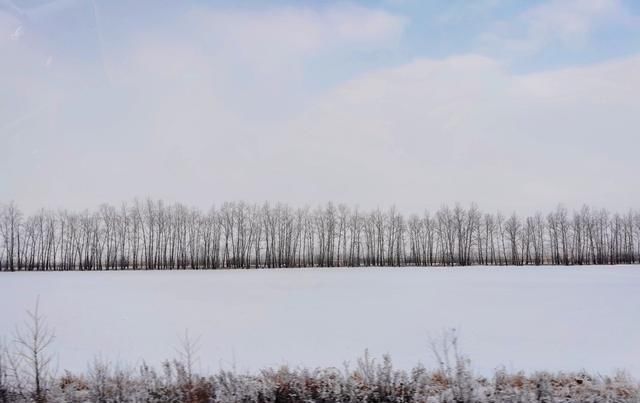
pixel 531 318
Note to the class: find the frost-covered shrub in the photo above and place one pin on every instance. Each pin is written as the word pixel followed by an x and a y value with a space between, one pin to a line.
pixel 369 381
pixel 372 381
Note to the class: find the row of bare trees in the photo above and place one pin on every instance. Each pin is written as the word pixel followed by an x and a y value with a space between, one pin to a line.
pixel 152 235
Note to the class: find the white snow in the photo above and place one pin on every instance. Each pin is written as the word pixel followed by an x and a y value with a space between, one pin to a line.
pixel 522 318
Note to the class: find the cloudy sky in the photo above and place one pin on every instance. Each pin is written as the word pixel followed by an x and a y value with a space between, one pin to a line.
pixel 515 105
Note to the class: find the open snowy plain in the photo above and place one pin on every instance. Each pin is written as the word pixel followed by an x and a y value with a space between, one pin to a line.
pixel 548 318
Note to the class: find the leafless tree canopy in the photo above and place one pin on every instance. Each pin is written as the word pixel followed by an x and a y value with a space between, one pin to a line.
pixel 151 235
pixel 25 370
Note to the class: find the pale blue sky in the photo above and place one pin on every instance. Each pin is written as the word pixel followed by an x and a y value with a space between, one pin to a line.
pixel 435 29
pixel 512 104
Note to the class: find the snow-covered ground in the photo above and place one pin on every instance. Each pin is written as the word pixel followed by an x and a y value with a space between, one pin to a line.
pixel 531 318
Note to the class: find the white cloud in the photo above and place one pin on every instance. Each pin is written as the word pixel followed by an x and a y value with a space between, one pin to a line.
pixel 465 129
pixel 269 35
pixel 249 57
pixel 186 101
pixel 211 109
pixel 568 23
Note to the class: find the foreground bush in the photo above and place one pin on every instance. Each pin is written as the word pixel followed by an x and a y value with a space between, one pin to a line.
pixel 26 376
pixel 369 381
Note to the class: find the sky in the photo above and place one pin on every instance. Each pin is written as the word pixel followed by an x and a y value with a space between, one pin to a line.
pixel 516 106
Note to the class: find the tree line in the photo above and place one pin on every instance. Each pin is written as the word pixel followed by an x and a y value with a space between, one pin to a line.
pixel 153 235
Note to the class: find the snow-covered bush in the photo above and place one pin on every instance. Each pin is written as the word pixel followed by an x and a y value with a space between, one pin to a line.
pixel 370 381
pixel 23 378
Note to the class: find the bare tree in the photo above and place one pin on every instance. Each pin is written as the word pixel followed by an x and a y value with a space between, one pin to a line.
pixel 187 359
pixel 32 350
pixel 152 235
pixel 5 388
